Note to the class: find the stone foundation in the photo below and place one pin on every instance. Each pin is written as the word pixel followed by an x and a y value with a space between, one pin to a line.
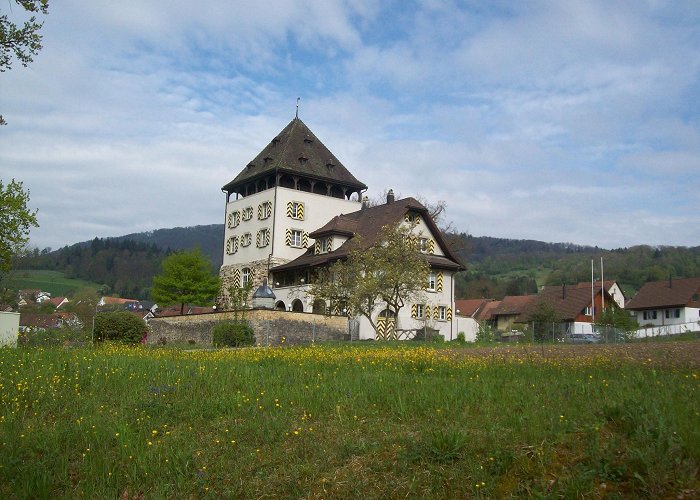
pixel 230 275
pixel 271 328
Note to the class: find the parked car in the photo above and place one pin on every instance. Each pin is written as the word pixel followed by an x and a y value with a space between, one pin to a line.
pixel 583 338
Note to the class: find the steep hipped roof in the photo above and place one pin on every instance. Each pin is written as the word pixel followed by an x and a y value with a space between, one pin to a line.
pixel 297 151
pixel 667 293
pixel 367 223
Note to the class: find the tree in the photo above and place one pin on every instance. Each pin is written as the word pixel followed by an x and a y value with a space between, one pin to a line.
pixel 385 275
pixel 25 41
pixel 15 221
pixel 622 324
pixel 84 305
pixel 186 278
pixel 543 317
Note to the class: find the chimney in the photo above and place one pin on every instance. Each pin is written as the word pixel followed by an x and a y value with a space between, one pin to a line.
pixel 365 202
pixel 390 197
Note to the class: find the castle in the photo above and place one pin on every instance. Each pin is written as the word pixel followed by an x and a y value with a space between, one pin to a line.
pixel 295 207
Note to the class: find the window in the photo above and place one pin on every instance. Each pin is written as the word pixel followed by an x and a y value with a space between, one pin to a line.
pixel 587 311
pixel 417 311
pixel 247 213
pixel 232 245
pixel 234 218
pixel 245 276
pixel 295 238
pixel 649 315
pixel 246 239
pixel 423 245
pixel 677 313
pixel 442 313
pixel 295 210
pixel 262 239
pixel 431 281
pixel 264 210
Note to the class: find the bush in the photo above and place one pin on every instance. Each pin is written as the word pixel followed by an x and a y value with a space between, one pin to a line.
pixel 461 338
pixel 485 333
pixel 233 334
pixel 120 326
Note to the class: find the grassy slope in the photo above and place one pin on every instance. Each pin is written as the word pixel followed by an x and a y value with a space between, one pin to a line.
pixel 361 422
pixel 54 282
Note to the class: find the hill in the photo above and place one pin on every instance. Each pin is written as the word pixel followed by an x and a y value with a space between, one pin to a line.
pixel 495 266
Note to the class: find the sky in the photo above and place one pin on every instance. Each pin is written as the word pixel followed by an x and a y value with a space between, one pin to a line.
pixel 559 121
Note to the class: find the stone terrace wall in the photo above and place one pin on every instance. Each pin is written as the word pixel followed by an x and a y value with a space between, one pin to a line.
pixel 271 327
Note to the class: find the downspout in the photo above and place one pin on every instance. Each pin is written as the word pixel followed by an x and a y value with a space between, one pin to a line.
pixel 272 236
pixel 454 308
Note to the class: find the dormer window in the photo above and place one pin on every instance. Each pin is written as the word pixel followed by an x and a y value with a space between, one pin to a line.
pixel 267 159
pixel 307 140
pixel 303 160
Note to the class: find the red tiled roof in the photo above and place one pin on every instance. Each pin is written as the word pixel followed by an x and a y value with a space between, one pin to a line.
pixel 680 292
pixel 40 320
pixel 117 300
pixel 486 312
pixel 513 305
pixel 469 307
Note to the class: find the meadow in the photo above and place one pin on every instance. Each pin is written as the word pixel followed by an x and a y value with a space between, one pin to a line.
pixel 362 421
pixel 54 282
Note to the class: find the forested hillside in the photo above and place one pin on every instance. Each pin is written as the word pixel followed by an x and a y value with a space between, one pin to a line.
pixel 498 267
pixel 495 266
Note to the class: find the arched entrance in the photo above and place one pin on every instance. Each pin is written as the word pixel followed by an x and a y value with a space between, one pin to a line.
pixel 386 325
pixel 297 306
pixel 280 306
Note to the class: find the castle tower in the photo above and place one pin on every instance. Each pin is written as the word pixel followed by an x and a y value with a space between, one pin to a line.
pixel 292 187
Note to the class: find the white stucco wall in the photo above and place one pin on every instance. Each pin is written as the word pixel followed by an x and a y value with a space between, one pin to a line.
pixel 318 210
pixel 9 328
pixel 687 315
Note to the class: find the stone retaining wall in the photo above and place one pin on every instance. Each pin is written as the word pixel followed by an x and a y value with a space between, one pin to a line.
pixel 270 327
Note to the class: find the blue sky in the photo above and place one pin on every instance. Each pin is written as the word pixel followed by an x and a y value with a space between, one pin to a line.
pixel 563 121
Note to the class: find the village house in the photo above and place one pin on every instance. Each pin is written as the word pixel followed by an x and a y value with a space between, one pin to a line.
pixel 295 207
pixel 667 307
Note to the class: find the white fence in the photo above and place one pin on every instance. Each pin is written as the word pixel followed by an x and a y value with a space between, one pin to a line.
pixel 656 331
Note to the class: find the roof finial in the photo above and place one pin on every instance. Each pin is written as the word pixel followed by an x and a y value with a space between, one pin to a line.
pixel 297 115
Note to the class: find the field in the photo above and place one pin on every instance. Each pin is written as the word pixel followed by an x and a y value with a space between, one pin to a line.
pixel 54 282
pixel 369 421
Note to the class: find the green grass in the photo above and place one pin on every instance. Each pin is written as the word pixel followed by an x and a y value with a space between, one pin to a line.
pixel 54 282
pixel 349 422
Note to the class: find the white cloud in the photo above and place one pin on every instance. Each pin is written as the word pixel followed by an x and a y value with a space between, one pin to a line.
pixel 528 119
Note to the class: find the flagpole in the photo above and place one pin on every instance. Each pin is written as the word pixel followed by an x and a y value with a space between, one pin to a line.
pixel 592 295
pixel 602 285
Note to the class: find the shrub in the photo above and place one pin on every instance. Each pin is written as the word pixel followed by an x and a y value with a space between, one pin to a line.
pixel 461 338
pixel 485 333
pixel 120 326
pixel 233 334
